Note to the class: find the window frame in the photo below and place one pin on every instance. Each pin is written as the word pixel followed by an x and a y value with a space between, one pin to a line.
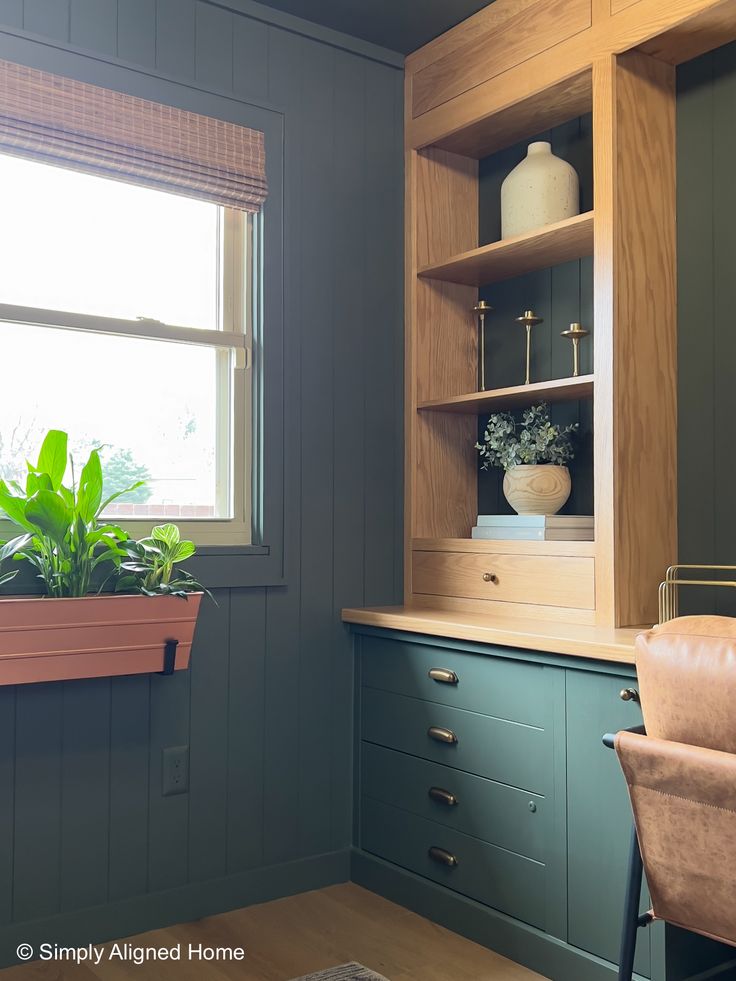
pixel 231 342
pixel 261 562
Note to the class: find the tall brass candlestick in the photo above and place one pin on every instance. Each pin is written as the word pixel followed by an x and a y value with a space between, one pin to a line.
pixel 480 309
pixel 575 333
pixel 529 320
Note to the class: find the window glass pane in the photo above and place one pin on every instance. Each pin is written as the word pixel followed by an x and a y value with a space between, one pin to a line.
pixel 96 246
pixel 153 404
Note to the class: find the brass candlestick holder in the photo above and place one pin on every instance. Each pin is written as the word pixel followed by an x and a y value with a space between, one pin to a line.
pixel 575 333
pixel 529 320
pixel 480 309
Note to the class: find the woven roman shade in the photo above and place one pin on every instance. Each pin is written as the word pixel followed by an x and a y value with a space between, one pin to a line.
pixel 61 121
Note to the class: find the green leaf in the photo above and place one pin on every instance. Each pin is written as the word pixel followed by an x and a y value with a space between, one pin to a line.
pixel 89 495
pixel 6 577
pixel 53 456
pixel 36 482
pixel 114 497
pixel 14 545
pixel 67 496
pixel 48 513
pixel 14 507
pixel 183 551
pixel 109 555
pixel 169 534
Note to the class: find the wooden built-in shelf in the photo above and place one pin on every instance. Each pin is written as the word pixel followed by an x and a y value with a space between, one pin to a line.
pixel 540 249
pixel 556 390
pixel 503 546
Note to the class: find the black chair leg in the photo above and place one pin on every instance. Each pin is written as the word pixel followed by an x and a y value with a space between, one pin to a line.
pixel 631 912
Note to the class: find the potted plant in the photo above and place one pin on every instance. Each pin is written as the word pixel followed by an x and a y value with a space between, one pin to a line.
pixel 533 454
pixel 76 629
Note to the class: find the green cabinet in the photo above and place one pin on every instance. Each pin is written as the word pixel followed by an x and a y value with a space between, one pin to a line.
pixel 598 815
pixel 522 797
pixel 516 831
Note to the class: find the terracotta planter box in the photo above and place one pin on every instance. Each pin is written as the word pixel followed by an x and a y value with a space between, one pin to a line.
pixel 45 639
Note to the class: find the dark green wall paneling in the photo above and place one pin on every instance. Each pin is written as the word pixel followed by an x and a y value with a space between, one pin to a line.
pixel 706 215
pixel 267 706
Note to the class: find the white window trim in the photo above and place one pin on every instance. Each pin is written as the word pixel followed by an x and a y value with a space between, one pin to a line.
pixel 233 344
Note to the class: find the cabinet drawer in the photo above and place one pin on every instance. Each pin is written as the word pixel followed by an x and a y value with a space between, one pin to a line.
pixel 491 875
pixel 513 819
pixel 518 755
pixel 514 690
pixel 543 580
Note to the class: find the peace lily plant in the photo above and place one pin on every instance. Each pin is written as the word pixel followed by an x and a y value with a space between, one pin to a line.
pixel 67 540
pixel 116 603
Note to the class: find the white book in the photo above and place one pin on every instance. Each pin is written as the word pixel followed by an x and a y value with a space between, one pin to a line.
pixel 533 534
pixel 535 520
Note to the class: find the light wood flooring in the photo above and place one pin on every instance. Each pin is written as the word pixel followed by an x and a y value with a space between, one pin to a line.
pixel 299 935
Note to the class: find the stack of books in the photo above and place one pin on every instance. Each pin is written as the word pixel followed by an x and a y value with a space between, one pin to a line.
pixel 535 527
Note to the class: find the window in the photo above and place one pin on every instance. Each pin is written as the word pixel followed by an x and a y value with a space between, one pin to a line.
pixel 125 319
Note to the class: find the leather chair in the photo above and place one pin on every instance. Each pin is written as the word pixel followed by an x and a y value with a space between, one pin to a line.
pixel 680 767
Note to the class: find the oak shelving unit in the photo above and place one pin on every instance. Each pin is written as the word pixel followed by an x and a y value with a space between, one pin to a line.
pixel 630 233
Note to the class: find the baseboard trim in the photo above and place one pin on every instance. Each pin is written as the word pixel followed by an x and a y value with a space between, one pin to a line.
pixel 521 943
pixel 181 905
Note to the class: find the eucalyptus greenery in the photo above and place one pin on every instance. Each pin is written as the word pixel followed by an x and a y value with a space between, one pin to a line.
pixel 508 443
pixel 67 540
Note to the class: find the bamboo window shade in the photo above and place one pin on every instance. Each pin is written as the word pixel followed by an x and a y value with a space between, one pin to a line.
pixel 72 124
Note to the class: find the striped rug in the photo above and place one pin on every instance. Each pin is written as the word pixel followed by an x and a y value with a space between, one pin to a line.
pixel 344 972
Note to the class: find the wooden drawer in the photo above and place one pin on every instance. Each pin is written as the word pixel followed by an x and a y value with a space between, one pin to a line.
pixel 513 31
pixel 497 686
pixel 518 755
pixel 543 580
pixel 491 875
pixel 513 819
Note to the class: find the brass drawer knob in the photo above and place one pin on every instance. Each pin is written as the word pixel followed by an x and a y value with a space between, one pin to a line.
pixel 443 796
pixel 490 577
pixel 443 675
pixel 629 695
pixel 441 735
pixel 442 856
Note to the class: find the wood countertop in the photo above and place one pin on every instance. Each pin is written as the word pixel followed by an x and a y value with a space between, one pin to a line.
pixel 597 643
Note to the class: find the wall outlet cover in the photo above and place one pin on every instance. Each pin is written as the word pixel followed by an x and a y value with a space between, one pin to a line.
pixel 175 770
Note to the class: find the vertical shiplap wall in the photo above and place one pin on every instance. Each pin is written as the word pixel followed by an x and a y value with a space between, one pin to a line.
pixel 706 215
pixel 266 707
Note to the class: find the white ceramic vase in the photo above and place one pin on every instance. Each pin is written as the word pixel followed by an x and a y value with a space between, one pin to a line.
pixel 540 488
pixel 540 190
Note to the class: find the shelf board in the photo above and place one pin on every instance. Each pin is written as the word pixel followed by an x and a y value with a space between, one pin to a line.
pixel 503 546
pixel 540 249
pixel 557 390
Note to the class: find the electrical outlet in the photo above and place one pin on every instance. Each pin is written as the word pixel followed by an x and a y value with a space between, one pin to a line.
pixel 175 771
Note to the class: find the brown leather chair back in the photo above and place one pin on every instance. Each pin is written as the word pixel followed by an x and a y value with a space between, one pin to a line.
pixel 682 774
pixel 687 681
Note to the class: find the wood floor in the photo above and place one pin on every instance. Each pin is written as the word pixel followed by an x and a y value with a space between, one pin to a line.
pixel 298 935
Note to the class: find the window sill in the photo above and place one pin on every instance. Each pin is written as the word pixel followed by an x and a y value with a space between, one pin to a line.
pixel 225 566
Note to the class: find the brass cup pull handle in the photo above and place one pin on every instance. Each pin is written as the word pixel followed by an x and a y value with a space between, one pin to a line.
pixel 443 796
pixel 629 695
pixel 490 577
pixel 441 735
pixel 442 856
pixel 443 675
